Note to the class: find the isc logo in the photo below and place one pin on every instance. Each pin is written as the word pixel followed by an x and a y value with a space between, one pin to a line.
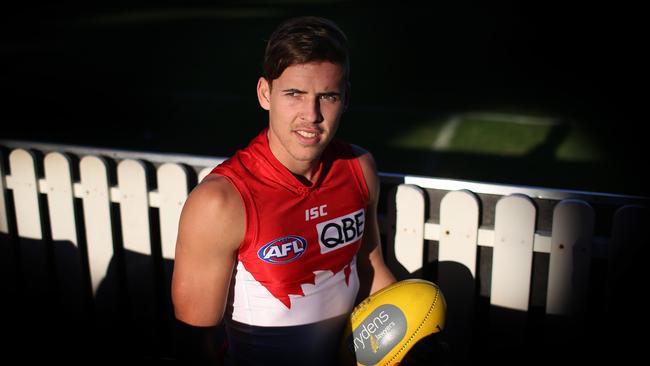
pixel 341 231
pixel 283 250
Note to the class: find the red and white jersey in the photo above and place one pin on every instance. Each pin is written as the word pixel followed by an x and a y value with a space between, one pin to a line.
pixel 297 262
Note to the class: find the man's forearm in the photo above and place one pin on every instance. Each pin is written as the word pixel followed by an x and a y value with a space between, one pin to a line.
pixel 382 277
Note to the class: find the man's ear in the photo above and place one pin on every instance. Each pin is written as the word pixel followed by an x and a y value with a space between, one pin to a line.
pixel 264 93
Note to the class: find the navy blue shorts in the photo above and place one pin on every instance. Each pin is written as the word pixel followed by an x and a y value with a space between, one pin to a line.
pixel 312 344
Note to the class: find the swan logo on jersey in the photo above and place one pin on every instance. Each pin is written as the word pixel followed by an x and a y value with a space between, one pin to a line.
pixel 341 231
pixel 283 250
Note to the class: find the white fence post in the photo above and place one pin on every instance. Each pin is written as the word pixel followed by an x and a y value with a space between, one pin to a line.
pixel 172 191
pixel 409 227
pixel 69 264
pixel 203 173
pixel 459 220
pixel 93 172
pixel 512 262
pixel 24 184
pixel 4 223
pixel 571 243
pixel 139 264
pixel 134 206
pixel 60 197
pixel 514 230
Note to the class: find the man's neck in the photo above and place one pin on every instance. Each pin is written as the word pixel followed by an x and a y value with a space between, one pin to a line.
pixel 305 170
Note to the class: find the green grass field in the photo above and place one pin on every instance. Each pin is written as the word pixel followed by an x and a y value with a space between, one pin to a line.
pixel 501 135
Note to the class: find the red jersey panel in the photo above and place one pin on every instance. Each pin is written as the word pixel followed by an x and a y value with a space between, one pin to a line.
pixel 297 262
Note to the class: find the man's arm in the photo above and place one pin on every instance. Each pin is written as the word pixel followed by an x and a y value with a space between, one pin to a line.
pixel 211 227
pixel 373 273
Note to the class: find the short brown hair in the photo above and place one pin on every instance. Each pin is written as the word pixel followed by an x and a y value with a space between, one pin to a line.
pixel 305 39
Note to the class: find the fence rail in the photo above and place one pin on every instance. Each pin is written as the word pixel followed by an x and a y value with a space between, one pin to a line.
pixel 88 238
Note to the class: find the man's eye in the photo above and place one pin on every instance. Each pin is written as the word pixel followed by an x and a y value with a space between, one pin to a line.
pixel 330 98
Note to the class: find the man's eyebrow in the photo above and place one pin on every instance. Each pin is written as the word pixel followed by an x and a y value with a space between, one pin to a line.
pixel 332 93
pixel 293 90
pixel 298 91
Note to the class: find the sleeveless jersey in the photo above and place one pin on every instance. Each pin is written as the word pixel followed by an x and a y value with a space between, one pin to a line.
pixel 296 278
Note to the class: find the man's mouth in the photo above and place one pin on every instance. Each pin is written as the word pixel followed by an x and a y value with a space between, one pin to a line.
pixel 306 134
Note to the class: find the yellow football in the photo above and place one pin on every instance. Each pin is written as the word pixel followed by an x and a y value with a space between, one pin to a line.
pixel 386 325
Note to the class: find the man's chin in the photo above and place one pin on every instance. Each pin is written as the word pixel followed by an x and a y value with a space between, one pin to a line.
pixel 311 154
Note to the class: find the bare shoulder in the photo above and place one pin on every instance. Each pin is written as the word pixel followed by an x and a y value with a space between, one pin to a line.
pixel 213 209
pixel 366 159
pixel 214 196
pixel 369 167
pixel 215 189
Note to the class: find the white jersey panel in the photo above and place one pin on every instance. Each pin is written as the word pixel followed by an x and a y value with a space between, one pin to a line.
pixel 329 297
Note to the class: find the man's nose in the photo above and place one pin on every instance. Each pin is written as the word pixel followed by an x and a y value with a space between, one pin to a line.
pixel 311 111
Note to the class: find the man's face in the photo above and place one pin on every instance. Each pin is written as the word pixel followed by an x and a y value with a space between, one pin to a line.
pixel 305 104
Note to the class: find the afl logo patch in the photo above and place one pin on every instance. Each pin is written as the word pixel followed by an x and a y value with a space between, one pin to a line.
pixel 283 250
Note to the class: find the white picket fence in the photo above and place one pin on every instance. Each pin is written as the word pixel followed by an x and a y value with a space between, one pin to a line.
pixel 118 211
pixel 509 226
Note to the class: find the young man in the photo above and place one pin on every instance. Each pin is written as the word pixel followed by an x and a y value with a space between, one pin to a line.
pixel 279 241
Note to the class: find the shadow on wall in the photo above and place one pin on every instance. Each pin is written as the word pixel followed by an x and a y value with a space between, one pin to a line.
pixel 479 333
pixel 50 313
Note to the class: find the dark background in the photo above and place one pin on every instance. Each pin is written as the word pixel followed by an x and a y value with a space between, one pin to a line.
pixel 180 76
